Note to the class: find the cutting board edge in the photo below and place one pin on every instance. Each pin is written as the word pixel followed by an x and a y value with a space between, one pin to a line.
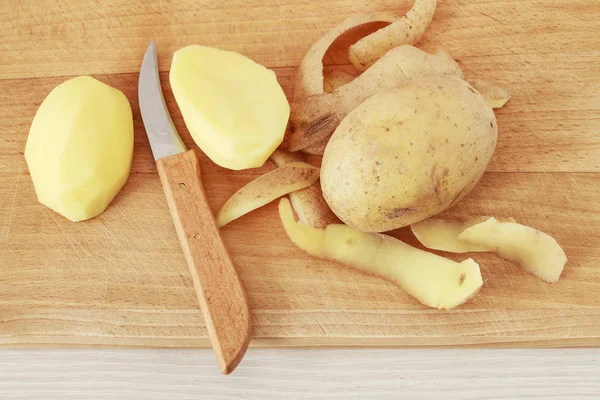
pixel 496 342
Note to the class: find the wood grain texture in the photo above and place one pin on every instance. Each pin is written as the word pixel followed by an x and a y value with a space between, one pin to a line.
pixel 121 279
pixel 374 374
pixel 218 287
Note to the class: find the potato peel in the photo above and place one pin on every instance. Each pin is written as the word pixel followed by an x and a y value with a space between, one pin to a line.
pixel 434 281
pixel 495 96
pixel 406 30
pixel 315 118
pixel 334 78
pixel 536 252
pixel 308 203
pixel 442 235
pixel 309 76
pixel 266 188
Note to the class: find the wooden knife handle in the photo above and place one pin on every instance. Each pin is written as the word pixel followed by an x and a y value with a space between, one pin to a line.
pixel 220 292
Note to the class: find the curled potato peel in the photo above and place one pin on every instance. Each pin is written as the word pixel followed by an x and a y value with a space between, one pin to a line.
pixel 405 30
pixel 266 188
pixel 309 76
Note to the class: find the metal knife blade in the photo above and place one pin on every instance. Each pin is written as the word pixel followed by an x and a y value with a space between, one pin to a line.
pixel 163 137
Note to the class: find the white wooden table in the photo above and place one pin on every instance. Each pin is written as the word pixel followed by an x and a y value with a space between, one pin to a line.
pixel 571 374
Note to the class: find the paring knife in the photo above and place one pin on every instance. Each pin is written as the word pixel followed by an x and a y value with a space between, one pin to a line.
pixel 220 292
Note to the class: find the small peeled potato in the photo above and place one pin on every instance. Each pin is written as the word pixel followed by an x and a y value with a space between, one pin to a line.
pixel 233 107
pixel 408 153
pixel 80 147
pixel 536 252
pixel 266 188
pixel 433 280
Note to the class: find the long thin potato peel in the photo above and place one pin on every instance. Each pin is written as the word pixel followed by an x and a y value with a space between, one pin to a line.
pixel 433 280
pixel 266 188
pixel 406 30
pixel 536 252
pixel 495 96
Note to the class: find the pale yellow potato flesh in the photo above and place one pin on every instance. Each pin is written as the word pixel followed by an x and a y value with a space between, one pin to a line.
pixel 406 30
pixel 233 107
pixel 266 188
pixel 434 281
pixel 308 203
pixel 80 147
pixel 536 252
pixel 441 234
pixel 495 96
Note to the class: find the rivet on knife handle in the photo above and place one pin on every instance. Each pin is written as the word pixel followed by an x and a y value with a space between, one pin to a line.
pixel 217 284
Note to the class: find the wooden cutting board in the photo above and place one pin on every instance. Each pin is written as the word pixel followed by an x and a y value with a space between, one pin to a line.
pixel 121 279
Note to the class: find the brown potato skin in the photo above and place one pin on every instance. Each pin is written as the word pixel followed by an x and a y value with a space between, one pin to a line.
pixel 408 153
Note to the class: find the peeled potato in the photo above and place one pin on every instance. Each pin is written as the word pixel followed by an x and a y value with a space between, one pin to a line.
pixel 266 188
pixel 80 147
pixel 233 107
pixel 536 252
pixel 433 280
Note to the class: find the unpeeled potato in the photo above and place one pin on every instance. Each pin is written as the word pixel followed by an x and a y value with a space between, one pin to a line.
pixel 408 153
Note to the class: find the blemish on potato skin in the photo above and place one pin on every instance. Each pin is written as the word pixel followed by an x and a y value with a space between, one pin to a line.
pixel 462 278
pixel 399 212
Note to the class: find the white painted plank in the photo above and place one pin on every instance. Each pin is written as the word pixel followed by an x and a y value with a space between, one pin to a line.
pixel 572 374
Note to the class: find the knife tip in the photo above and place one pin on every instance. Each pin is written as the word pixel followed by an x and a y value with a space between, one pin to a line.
pixel 152 45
